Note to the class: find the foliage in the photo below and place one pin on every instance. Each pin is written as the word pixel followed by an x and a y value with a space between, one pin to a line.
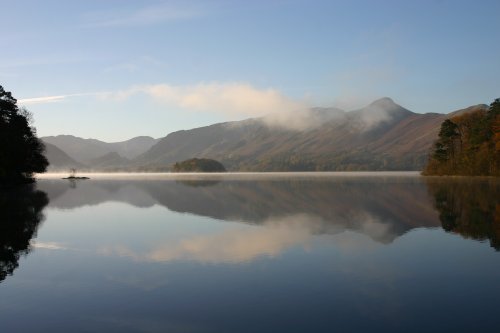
pixel 198 165
pixel 21 153
pixel 355 160
pixel 468 144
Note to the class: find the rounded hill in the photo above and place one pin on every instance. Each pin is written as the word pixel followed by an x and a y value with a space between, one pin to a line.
pixel 198 165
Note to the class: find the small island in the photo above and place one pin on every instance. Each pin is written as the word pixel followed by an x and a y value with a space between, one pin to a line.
pixel 199 165
pixel 73 176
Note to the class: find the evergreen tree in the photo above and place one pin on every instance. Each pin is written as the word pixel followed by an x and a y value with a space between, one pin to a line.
pixel 21 152
pixel 445 146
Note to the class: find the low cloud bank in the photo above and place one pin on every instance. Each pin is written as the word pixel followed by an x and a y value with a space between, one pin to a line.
pixel 231 99
pixel 238 100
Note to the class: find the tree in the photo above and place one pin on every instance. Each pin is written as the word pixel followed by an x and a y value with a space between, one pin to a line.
pixel 468 144
pixel 21 152
pixel 445 146
pixel 494 115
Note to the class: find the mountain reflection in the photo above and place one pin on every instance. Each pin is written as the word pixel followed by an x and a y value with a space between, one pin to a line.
pixel 20 215
pixel 381 208
pixel 468 207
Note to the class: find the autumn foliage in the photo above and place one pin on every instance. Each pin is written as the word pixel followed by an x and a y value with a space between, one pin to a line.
pixel 468 144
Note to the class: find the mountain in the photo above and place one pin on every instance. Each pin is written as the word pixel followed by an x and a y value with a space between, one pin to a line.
pixel 59 160
pixel 86 150
pixel 133 147
pixel 109 162
pixel 380 136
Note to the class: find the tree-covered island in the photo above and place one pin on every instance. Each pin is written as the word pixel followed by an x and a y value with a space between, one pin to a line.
pixel 198 165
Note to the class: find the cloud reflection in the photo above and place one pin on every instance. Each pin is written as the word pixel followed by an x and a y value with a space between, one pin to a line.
pixel 244 243
pixel 233 244
pixel 48 245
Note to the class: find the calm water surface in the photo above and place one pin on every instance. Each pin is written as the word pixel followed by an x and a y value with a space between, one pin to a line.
pixel 250 253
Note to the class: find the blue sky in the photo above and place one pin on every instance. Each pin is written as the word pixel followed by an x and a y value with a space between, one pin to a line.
pixel 114 69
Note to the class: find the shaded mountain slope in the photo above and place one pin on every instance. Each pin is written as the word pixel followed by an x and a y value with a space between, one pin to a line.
pixel 381 136
pixel 85 150
pixel 59 160
pixel 109 162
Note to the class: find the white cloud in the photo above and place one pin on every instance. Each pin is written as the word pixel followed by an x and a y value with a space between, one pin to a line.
pixel 233 99
pixel 52 99
pixel 240 99
pixel 42 100
pixel 228 98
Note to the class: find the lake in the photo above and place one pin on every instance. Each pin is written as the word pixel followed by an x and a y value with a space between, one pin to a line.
pixel 325 252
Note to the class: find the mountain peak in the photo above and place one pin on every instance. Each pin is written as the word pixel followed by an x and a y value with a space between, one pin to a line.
pixel 383 102
pixel 387 105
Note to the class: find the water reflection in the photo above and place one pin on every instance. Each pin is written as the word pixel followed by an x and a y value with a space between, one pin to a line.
pixel 230 245
pixel 468 207
pixel 381 208
pixel 262 255
pixel 20 216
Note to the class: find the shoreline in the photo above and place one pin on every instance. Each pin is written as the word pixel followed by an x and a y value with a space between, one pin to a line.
pixel 176 175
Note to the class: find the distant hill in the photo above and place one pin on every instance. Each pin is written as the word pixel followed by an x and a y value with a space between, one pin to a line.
pixel 109 162
pixel 380 136
pixel 59 160
pixel 86 150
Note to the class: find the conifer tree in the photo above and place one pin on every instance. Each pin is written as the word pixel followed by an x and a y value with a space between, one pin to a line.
pixel 21 152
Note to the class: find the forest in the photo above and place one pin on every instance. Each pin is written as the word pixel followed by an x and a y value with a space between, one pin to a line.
pixel 468 145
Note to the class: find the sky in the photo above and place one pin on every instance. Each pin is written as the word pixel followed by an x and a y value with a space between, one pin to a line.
pixel 115 69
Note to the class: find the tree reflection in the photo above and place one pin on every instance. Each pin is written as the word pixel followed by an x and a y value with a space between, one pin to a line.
pixel 469 207
pixel 198 182
pixel 20 215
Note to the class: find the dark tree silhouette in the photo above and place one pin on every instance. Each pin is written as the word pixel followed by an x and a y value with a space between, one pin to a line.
pixel 20 215
pixel 21 152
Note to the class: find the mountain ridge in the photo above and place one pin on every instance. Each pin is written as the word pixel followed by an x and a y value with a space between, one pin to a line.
pixel 87 150
pixel 380 136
